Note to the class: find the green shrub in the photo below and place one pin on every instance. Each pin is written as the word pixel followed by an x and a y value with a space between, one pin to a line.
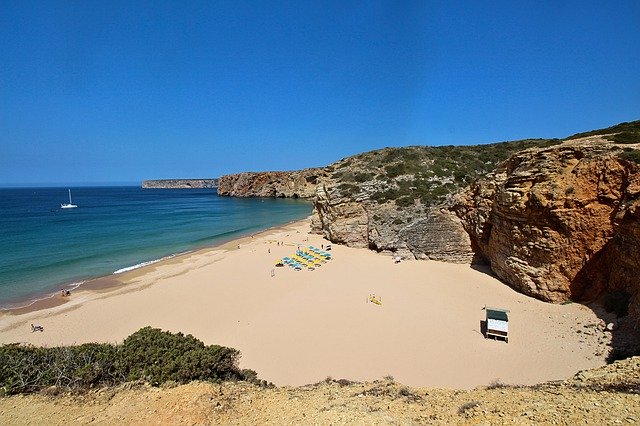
pixel 362 177
pixel 148 354
pixel 395 170
pixel 625 138
pixel 404 201
pixel 632 127
pixel 156 357
pixel 28 368
pixel 631 155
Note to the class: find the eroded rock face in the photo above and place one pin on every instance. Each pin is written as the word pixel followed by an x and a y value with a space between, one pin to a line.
pixel 410 232
pixel 295 184
pixel 439 235
pixel 559 222
pixel 340 219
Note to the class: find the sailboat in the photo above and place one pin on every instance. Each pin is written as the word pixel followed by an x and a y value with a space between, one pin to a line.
pixel 70 205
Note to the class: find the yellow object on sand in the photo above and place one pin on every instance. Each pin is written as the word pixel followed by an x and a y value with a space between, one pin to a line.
pixel 374 299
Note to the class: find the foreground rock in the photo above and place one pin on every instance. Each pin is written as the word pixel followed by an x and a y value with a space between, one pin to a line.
pixel 608 395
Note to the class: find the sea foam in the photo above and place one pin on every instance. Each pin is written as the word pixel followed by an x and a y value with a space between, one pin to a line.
pixel 141 265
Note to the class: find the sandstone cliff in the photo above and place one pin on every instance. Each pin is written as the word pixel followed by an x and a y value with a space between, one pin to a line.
pixel 296 184
pixel 560 222
pixel 396 200
pixel 180 183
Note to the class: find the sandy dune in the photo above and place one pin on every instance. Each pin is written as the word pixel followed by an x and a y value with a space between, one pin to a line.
pixel 299 327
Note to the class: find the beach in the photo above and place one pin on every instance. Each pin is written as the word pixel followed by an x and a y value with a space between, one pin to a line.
pixel 299 327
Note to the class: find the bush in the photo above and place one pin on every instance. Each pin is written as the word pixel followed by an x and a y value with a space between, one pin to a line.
pixel 157 357
pixel 28 368
pixel 632 155
pixel 625 138
pixel 148 354
pixel 362 177
pixel 404 201
pixel 629 127
pixel 395 170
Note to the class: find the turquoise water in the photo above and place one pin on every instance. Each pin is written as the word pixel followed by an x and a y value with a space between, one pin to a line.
pixel 43 247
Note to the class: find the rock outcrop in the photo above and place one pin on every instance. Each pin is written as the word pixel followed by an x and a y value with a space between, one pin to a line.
pixel 295 184
pixel 411 232
pixel 560 222
pixel 180 183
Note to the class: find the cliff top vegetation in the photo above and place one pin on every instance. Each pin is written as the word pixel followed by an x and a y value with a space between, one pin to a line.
pixel 421 174
pixel 627 132
pixel 427 176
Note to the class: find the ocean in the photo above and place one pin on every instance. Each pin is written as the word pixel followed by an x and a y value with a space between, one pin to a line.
pixel 44 248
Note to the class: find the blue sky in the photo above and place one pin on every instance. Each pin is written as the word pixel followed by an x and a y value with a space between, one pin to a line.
pixel 101 92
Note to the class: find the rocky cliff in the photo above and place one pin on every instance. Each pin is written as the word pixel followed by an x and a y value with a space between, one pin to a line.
pixel 295 184
pixel 396 200
pixel 180 183
pixel 414 231
pixel 560 222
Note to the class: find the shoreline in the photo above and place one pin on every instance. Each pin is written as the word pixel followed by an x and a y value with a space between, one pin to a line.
pixel 105 282
pixel 298 327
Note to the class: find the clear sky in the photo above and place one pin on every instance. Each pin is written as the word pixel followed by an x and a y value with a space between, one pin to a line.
pixel 108 91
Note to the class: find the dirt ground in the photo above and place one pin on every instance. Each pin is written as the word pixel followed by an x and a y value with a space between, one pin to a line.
pixel 608 395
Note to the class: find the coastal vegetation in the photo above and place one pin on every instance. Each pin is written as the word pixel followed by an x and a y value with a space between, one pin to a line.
pixel 149 355
pixel 423 174
pixel 626 132
pixel 630 154
pixel 428 175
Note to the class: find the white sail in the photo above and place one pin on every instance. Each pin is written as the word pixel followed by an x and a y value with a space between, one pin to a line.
pixel 70 205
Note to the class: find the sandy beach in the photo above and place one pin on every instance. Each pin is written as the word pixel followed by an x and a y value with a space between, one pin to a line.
pixel 298 327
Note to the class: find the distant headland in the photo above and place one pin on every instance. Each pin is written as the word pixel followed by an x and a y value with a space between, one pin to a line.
pixel 180 183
